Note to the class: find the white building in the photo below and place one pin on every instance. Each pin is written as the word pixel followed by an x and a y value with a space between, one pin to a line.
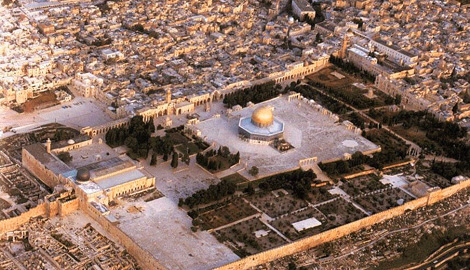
pixel 393 52
pixel 87 84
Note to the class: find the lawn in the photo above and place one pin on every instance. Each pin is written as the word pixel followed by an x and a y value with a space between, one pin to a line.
pixel 192 147
pixel 178 138
pixel 340 212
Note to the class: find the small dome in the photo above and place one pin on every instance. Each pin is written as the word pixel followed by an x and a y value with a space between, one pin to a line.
pixel 70 141
pixel 83 175
pixel 262 116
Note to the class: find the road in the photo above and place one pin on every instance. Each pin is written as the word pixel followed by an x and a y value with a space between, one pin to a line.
pixel 444 256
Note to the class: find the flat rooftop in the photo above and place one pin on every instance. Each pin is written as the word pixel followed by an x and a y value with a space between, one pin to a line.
pixel 77 139
pixel 310 132
pixel 48 160
pixel 91 154
pixel 120 179
pixel 306 224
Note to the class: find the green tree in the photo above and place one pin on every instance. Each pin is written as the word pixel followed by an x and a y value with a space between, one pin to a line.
pixel 397 99
pixel 253 171
pixel 174 160
pixel 292 266
pixel 153 160
pixel 65 157
pixel 250 190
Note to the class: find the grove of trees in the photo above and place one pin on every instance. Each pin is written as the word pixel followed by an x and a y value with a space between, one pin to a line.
pixel 217 160
pixel 351 68
pixel 135 136
pixel 299 181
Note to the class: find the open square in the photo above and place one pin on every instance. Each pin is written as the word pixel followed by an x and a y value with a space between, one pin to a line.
pixel 313 135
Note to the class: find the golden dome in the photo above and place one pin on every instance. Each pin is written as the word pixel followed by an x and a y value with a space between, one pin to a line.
pixel 262 116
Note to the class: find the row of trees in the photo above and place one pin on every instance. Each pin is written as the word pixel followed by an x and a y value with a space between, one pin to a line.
pixel 344 166
pixel 351 68
pixel 213 193
pixel 392 151
pixel 216 160
pixel 322 99
pixel 257 93
pixel 355 97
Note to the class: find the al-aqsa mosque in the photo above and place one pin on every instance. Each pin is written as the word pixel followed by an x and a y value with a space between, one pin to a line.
pixel 261 127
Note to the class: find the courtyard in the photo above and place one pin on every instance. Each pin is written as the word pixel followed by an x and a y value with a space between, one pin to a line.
pixel 305 128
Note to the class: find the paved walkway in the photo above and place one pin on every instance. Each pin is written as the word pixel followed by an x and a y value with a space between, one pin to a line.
pixel 275 230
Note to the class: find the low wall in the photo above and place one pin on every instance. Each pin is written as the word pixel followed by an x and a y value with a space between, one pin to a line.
pixel 333 234
pixel 398 164
pixel 354 175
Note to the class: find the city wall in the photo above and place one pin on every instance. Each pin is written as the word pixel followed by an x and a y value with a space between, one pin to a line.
pixel 45 209
pixel 15 222
pixel 30 163
pixel 143 257
pixel 68 207
pixel 333 234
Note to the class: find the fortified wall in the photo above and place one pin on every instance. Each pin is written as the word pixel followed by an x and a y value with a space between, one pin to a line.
pixel 143 257
pixel 333 234
pixel 61 208
pixel 45 209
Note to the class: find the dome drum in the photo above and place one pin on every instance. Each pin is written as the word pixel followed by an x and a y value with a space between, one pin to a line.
pixel 261 127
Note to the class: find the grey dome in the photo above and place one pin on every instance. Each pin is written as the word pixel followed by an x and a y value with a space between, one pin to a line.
pixel 83 175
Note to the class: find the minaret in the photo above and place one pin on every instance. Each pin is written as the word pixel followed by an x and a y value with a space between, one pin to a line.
pixel 345 44
pixel 168 96
pixel 48 145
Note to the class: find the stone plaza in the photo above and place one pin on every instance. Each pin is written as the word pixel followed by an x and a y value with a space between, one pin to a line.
pixel 315 134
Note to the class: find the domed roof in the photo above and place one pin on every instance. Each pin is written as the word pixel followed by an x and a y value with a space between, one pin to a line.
pixel 262 116
pixel 83 175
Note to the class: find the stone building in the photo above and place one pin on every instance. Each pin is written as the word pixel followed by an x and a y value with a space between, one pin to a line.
pixel 261 127
pixel 100 181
